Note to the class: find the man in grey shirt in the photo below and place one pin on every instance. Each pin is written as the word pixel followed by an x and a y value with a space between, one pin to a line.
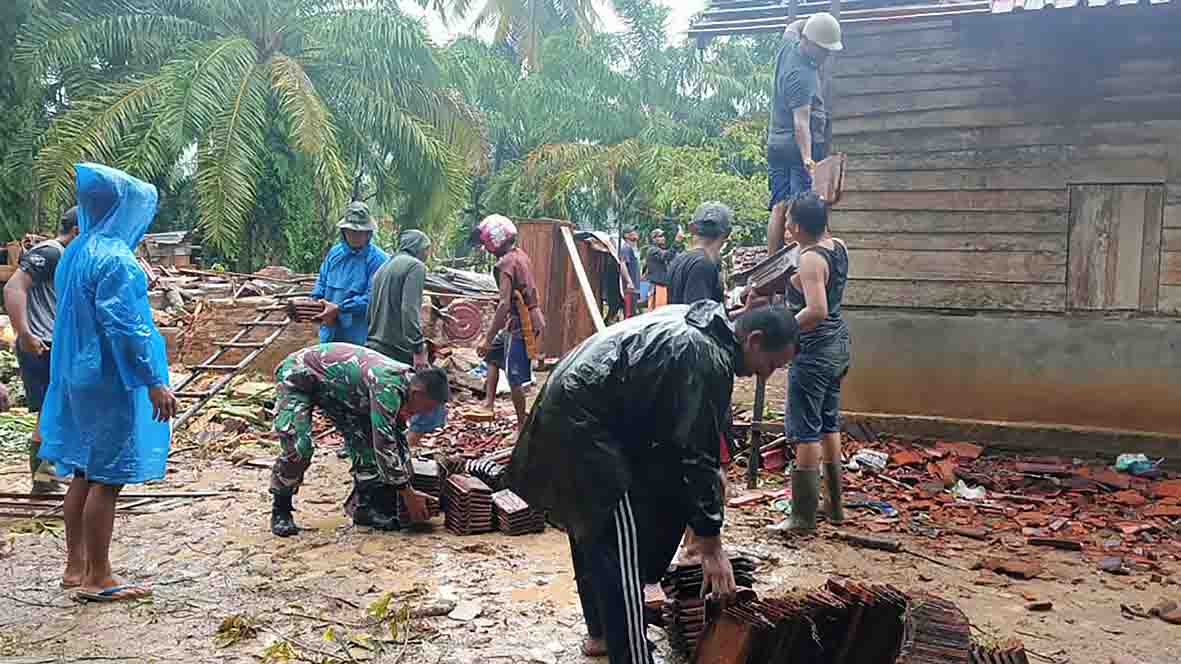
pixel 31 302
pixel 395 317
pixel 796 137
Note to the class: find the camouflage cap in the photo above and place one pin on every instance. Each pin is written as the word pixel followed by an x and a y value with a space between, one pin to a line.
pixel 713 219
pixel 356 217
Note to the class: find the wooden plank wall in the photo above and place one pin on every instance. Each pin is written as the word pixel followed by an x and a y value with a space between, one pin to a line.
pixel 964 136
pixel 568 322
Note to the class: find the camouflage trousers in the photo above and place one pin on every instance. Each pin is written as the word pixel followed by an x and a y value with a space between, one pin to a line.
pixel 293 423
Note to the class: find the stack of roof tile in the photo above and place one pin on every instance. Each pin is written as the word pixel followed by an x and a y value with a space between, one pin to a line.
pixel 469 505
pixel 684 614
pixel 514 516
pixel 427 477
pixel 843 622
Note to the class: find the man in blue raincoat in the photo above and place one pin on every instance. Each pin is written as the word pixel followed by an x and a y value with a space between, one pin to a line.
pixel 346 277
pixel 106 414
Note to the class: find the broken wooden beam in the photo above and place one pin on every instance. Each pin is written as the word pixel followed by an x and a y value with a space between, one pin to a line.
pixel 588 294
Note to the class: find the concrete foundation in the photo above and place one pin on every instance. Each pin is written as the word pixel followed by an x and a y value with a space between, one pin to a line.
pixel 1110 373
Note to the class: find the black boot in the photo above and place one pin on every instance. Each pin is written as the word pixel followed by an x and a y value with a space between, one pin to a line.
pixel 834 508
pixel 805 498
pixel 377 507
pixel 282 521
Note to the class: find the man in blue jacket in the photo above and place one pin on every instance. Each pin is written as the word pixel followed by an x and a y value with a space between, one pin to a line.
pixel 346 276
pixel 106 413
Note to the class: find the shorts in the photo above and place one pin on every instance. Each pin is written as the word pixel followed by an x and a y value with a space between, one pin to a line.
pixel 432 420
pixel 34 371
pixel 814 391
pixel 515 359
pixel 786 175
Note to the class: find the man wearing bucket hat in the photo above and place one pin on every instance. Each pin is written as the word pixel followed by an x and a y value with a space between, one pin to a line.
pixel 797 135
pixel 346 277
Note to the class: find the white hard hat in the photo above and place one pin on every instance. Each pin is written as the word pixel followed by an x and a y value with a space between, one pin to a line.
pixel 824 31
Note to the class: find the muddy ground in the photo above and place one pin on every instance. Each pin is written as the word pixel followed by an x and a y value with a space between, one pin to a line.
pixel 308 596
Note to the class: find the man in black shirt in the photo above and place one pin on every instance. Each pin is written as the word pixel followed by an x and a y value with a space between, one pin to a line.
pixel 31 302
pixel 656 264
pixel 697 273
pixel 621 449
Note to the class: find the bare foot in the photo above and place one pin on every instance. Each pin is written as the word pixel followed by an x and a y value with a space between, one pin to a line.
pixel 594 647
pixel 72 578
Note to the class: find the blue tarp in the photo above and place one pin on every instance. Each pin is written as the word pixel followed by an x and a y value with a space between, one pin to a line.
pixel 346 277
pixel 106 349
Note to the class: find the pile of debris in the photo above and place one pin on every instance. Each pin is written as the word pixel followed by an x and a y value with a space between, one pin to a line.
pixel 846 621
pixel 1121 522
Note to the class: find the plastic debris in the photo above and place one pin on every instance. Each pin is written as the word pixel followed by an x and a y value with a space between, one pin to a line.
pixel 962 490
pixel 1136 464
pixel 871 459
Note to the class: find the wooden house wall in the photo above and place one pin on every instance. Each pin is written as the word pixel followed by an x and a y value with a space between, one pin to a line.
pixel 567 320
pixel 964 138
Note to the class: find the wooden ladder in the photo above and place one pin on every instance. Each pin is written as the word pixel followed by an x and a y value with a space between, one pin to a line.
pixel 242 341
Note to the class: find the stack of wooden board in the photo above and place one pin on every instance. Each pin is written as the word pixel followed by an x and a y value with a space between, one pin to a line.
pixel 514 516
pixel 469 505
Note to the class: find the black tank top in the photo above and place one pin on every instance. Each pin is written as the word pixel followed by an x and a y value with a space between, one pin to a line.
pixel 833 326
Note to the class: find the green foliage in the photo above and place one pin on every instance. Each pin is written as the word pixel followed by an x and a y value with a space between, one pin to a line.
pixel 354 88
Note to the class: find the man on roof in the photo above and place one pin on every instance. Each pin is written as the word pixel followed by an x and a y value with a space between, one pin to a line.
pixel 798 133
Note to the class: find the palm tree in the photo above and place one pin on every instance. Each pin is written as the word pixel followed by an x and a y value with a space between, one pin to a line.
pixel 353 85
pixel 521 23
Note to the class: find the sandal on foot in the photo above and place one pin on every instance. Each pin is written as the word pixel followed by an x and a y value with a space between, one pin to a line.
pixel 114 594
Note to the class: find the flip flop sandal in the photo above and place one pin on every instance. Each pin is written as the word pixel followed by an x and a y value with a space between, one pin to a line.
pixel 111 594
pixel 68 586
pixel 592 652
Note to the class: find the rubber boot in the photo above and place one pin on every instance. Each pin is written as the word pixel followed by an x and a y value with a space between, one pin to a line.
pixel 282 521
pixel 377 507
pixel 834 508
pixel 805 498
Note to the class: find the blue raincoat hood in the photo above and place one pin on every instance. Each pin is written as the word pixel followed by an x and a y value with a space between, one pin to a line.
pixel 106 350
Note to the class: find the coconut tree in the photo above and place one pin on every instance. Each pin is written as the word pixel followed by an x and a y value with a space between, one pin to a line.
pixel 353 85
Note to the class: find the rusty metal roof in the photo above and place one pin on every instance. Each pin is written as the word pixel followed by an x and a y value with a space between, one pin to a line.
pixel 1009 6
pixel 744 17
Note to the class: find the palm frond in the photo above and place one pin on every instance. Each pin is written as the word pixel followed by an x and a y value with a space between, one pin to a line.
pixel 93 129
pixel 310 126
pixel 230 161
pixel 59 40
pixel 210 74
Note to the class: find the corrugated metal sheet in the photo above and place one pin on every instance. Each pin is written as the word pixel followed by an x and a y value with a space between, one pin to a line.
pixel 1009 6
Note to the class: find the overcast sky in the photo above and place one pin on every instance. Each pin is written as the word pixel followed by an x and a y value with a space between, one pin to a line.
pixel 678 22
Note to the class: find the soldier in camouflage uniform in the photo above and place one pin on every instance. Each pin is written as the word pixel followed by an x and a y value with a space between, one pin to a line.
pixel 368 397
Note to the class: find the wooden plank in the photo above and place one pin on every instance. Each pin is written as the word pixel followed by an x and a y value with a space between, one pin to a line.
pixel 911 101
pixel 1000 266
pixel 975 295
pixel 1170 299
pixel 1170 269
pixel 845 222
pixel 862 85
pixel 1114 171
pixel 943 60
pixel 1125 263
pixel 588 295
pixel 1171 239
pixel 1006 157
pixel 1172 215
pixel 1028 133
pixel 1092 232
pixel 1151 253
pixel 1035 242
pixel 1020 201
pixel 1148 107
